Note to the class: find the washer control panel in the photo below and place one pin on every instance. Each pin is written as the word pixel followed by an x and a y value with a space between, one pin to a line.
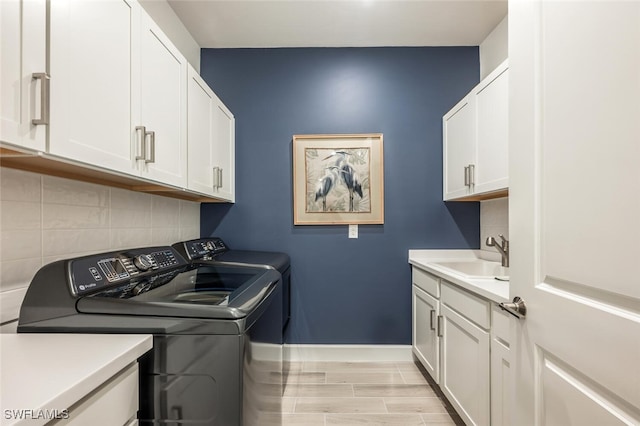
pixel 204 248
pixel 90 273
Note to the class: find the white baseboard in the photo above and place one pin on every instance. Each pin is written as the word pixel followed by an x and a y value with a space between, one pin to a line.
pixel 348 353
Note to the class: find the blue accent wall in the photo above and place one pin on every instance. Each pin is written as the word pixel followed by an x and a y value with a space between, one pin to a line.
pixel 345 291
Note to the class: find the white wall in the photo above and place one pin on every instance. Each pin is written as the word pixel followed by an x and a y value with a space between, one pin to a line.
pixel 494 48
pixel 163 15
pixel 45 218
pixel 494 220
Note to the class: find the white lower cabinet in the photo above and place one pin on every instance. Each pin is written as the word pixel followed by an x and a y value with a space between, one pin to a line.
pixel 465 367
pixel 426 345
pixel 114 403
pixel 500 367
pixel 462 341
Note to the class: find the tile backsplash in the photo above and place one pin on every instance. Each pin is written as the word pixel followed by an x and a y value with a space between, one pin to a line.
pixel 494 220
pixel 45 218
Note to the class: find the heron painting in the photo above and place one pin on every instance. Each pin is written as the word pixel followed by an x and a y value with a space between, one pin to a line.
pixel 338 179
pixel 339 176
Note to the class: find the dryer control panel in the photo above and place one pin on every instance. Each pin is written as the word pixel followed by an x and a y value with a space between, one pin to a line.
pixel 90 273
pixel 203 248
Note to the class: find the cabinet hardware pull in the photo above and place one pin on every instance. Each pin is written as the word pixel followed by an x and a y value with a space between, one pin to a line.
pixel 141 149
pixel 44 98
pixel 472 174
pixel 439 325
pixel 220 178
pixel 152 147
pixel 431 321
pixel 216 177
pixel 466 176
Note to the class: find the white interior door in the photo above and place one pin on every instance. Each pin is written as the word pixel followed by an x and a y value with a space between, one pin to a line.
pixel 575 211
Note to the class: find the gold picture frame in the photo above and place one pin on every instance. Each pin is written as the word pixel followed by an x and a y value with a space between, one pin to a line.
pixel 338 179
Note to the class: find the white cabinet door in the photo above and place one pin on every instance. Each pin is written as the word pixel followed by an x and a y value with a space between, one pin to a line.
pixel 500 383
pixel 163 106
pixel 115 402
pixel 200 164
pixel 224 131
pixel 211 142
pixel 459 141
pixel 93 50
pixel 22 53
pixel 465 367
pixel 426 344
pixel 492 132
pixel 500 367
pixel 575 132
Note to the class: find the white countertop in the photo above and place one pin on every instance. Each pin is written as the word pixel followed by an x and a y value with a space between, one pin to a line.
pixel 491 289
pixel 54 371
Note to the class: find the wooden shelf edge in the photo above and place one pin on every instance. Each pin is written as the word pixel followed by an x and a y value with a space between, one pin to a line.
pixel 41 163
pixel 501 193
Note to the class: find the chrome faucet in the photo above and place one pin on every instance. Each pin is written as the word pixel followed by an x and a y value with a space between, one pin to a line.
pixel 502 248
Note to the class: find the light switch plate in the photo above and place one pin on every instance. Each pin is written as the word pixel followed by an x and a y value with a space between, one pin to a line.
pixel 353 231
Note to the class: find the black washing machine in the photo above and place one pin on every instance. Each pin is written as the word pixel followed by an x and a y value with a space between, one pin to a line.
pixel 214 250
pixel 217 335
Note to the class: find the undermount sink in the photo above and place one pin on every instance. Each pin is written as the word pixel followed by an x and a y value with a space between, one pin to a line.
pixel 477 269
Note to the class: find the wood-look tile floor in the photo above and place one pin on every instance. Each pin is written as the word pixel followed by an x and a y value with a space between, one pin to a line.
pixel 362 393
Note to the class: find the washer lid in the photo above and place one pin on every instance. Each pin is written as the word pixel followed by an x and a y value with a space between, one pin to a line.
pixel 198 291
pixel 277 260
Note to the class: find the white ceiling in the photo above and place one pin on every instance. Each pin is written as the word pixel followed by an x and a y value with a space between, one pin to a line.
pixel 339 23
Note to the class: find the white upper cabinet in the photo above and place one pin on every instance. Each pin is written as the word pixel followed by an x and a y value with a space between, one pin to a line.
pixel 224 130
pixel 118 90
pixel 163 106
pixel 200 134
pixel 23 57
pixel 101 92
pixel 475 145
pixel 93 59
pixel 211 140
pixel 459 148
pixel 492 131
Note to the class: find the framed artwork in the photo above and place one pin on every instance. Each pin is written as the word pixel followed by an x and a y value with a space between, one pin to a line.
pixel 338 179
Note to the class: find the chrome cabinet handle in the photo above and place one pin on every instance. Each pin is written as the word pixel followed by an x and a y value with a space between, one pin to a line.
pixel 466 176
pixel 152 147
pixel 439 325
pixel 141 141
pixel 216 177
pixel 472 172
pixel 431 321
pixel 44 98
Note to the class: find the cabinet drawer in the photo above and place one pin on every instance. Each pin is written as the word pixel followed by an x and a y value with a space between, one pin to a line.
pixel 113 403
pixel 426 282
pixel 472 307
pixel 500 324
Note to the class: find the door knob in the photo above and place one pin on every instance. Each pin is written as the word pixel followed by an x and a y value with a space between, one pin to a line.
pixel 517 308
